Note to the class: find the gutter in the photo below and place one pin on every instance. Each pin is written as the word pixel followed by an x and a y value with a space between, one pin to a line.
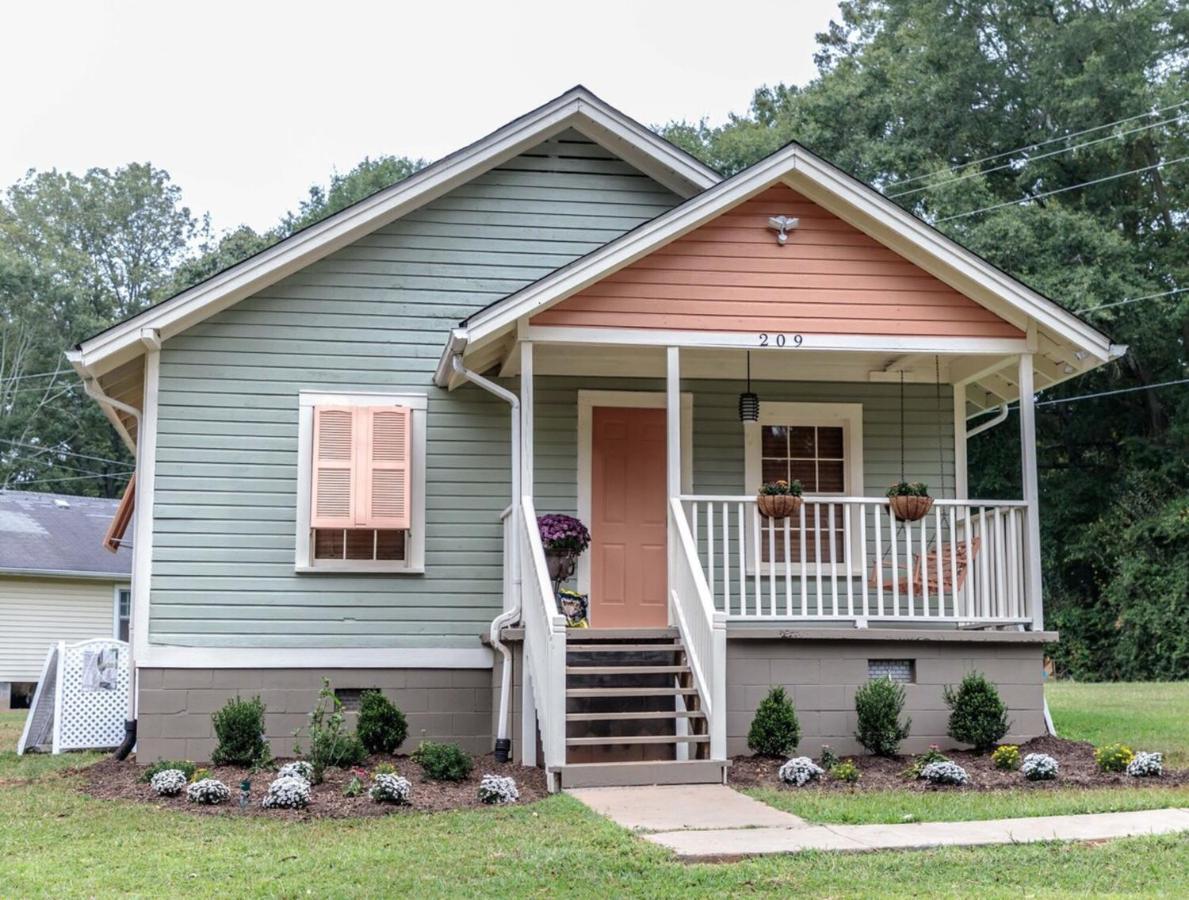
pixel 1000 416
pixel 503 743
pixel 450 362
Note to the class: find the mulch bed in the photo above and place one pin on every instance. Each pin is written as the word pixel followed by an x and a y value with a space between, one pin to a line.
pixel 1076 759
pixel 113 780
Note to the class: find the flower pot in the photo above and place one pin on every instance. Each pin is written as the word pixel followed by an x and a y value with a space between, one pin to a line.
pixel 560 564
pixel 910 508
pixel 778 506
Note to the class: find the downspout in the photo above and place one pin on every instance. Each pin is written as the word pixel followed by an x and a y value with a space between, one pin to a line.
pixel 503 744
pixel 1000 416
pixel 95 392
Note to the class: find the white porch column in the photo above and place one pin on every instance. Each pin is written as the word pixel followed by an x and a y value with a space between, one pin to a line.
pixel 1032 577
pixel 528 706
pixel 961 480
pixel 673 421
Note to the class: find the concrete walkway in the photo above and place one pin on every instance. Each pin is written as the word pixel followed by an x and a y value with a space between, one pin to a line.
pixel 713 822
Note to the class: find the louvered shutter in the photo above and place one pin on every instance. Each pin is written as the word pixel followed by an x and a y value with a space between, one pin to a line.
pixel 382 496
pixel 336 433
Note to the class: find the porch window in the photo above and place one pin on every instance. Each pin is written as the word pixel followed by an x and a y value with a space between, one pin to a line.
pixel 820 445
pixel 361 497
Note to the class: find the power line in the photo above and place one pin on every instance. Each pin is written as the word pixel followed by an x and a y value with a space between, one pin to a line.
pixel 1032 159
pixel 1134 300
pixel 34 375
pixel 51 449
pixel 1130 390
pixel 1170 162
pixel 1045 143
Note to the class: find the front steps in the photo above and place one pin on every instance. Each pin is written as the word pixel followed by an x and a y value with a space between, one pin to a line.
pixel 632 712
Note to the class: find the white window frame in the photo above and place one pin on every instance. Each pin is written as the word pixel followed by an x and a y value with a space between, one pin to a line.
pixel 848 416
pixel 115 610
pixel 414 561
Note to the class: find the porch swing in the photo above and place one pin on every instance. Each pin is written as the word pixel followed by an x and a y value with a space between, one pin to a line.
pixel 954 563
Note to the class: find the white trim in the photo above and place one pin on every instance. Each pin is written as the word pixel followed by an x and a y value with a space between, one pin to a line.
pixel 820 181
pixel 142 523
pixel 64 574
pixel 414 561
pixel 961 485
pixel 577 108
pixel 117 589
pixel 847 415
pixel 1033 584
pixel 161 656
pixel 587 401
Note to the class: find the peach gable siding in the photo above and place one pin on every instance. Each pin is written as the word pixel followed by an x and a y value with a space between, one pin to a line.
pixel 731 275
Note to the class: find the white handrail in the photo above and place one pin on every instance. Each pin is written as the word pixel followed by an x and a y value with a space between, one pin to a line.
pixel 848 559
pixel 702 628
pixel 544 640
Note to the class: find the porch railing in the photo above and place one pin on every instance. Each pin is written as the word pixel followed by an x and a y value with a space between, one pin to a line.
pixel 544 639
pixel 703 629
pixel 849 558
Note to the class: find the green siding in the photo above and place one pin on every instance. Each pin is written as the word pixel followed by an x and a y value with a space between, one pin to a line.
pixel 374 315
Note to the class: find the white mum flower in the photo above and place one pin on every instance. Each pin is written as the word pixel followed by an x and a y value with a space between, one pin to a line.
pixel 944 773
pixel 287 792
pixel 1146 765
pixel 209 791
pixel 800 770
pixel 498 789
pixel 297 769
pixel 388 788
pixel 1039 767
pixel 169 782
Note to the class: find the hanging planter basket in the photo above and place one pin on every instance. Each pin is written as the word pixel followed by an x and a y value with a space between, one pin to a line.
pixel 910 508
pixel 778 506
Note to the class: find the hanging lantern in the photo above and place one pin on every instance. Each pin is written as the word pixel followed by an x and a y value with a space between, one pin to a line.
pixel 749 403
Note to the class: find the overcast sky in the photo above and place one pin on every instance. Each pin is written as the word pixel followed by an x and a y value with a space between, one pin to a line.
pixel 248 103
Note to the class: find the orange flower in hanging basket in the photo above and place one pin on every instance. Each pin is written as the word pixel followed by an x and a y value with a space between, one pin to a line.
pixel 779 499
pixel 910 509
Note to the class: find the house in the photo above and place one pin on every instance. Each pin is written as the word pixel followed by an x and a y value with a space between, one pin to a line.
pixel 343 444
pixel 57 583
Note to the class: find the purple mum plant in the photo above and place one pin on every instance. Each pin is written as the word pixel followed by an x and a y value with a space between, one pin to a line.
pixel 563 534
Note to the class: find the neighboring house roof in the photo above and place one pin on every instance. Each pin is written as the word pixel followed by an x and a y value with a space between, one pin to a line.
pixel 577 108
pixel 57 534
pixel 832 188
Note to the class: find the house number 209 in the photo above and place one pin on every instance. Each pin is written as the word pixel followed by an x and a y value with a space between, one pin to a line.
pixel 779 340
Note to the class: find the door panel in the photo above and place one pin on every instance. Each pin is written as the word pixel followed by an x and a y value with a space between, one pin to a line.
pixel 628 518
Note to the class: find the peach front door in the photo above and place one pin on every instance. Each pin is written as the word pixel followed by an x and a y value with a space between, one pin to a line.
pixel 628 580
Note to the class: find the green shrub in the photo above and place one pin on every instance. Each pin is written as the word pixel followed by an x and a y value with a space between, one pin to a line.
pixel 443 762
pixel 1113 757
pixel 239 727
pixel 828 759
pixel 879 704
pixel 182 765
pixel 385 769
pixel 977 714
pixel 331 745
pixel 382 727
pixel 930 756
pixel 1006 757
pixel 774 730
pixel 845 771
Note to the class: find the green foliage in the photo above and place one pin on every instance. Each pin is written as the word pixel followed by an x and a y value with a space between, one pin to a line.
pixel 908 489
pixel 384 768
pixel 331 744
pixel 200 774
pixel 978 715
pixel 781 487
pixel 828 758
pixel 443 762
pixel 184 766
pixel 775 730
pixel 878 704
pixel 932 755
pixel 382 727
pixel 1113 757
pixel 239 730
pixel 845 771
pixel 354 787
pixel 1006 757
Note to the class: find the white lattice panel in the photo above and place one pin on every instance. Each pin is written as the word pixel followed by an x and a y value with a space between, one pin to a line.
pixel 92 718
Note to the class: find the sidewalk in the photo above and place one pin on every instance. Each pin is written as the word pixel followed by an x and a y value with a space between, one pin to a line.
pixel 713 822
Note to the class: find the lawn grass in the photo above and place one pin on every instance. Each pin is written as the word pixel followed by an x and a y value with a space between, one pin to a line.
pixel 32 765
pixel 891 807
pixel 1145 716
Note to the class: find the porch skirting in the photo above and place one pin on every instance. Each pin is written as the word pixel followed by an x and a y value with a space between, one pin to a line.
pixel 821 677
pixel 174 716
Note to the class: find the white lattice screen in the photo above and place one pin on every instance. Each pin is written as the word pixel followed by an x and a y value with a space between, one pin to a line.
pixel 77 709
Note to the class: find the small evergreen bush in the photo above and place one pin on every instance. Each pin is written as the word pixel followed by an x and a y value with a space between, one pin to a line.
pixel 209 792
pixel 1006 757
pixel 879 704
pixel 1039 767
pixel 978 715
pixel 389 788
pixel 800 771
pixel 845 771
pixel 498 789
pixel 382 727
pixel 828 758
pixel 331 745
pixel 1146 765
pixel 443 762
pixel 239 727
pixel 184 766
pixel 1113 757
pixel 774 730
pixel 169 782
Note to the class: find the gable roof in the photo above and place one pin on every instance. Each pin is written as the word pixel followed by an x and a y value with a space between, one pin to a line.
pixel 577 108
pixel 835 190
pixel 58 534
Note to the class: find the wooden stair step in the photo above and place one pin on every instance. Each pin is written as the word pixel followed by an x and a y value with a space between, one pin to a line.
pixel 603 635
pixel 626 670
pixel 638 739
pixel 612 774
pixel 656 715
pixel 631 692
pixel 624 648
